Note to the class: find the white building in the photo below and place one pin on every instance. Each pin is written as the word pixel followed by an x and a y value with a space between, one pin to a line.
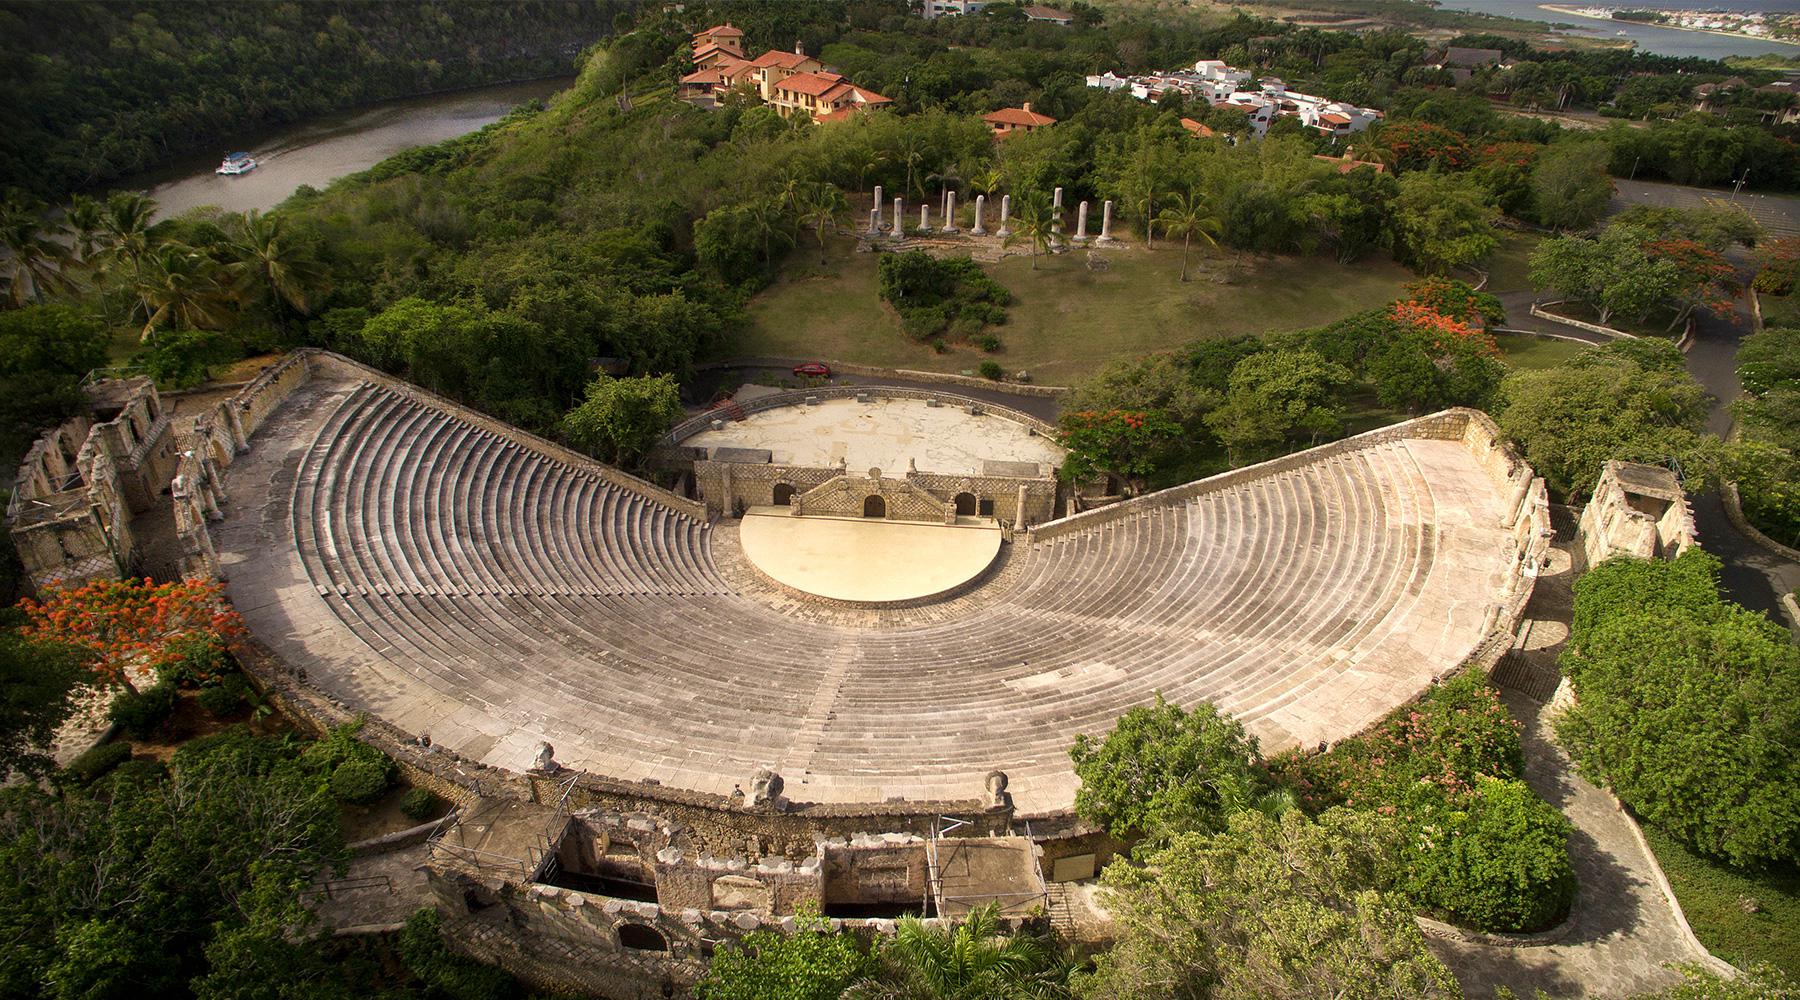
pixel 933 9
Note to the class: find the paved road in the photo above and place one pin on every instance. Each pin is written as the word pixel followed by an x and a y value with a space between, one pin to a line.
pixel 1779 213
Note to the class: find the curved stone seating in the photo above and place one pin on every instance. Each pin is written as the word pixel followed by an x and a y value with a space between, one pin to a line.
pixel 486 591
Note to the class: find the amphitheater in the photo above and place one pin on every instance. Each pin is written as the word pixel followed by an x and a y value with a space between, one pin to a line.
pixel 456 577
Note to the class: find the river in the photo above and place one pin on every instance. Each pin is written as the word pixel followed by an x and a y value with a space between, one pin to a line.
pixel 320 150
pixel 1662 41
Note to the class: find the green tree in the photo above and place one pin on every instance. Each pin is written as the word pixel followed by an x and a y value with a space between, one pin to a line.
pixel 1497 859
pixel 1443 221
pixel 1268 909
pixel 822 205
pixel 1187 215
pixel 182 288
pixel 1163 771
pixel 1123 443
pixel 35 261
pixel 1687 705
pixel 1569 184
pixel 621 418
pixel 1628 400
pixel 45 351
pixel 37 687
pixel 1613 273
pixel 1277 396
pixel 971 960
pixel 272 263
pixel 811 963
pixel 1032 225
pixel 1761 982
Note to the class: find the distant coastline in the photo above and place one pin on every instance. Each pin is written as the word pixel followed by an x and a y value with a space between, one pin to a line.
pixel 1582 12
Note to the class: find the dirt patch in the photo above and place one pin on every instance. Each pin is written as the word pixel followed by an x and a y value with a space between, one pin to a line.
pixel 382 817
pixel 190 722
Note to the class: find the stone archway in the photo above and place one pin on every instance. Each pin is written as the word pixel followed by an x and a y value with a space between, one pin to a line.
pixel 965 505
pixel 874 506
pixel 637 937
pixel 784 494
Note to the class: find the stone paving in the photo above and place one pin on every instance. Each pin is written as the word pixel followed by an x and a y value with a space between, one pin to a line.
pixel 468 586
pixel 883 434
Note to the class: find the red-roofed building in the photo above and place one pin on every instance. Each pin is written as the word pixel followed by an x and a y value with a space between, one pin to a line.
pixel 772 67
pixel 1007 121
pixel 824 96
pixel 716 79
pixel 1197 128
pixel 1049 15
pixel 723 35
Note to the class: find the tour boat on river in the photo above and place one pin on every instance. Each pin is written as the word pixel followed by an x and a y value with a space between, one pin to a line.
pixel 236 163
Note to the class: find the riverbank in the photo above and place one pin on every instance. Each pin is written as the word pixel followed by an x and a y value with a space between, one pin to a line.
pixel 1582 13
pixel 318 151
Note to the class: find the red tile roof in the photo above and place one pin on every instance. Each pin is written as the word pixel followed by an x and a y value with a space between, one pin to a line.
pixel 778 58
pixel 1017 116
pixel 1197 128
pixel 814 84
pixel 1048 13
pixel 723 29
pixel 1335 118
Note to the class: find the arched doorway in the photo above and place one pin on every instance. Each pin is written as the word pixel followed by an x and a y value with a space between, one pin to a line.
pixel 965 505
pixel 640 938
pixel 874 506
pixel 784 494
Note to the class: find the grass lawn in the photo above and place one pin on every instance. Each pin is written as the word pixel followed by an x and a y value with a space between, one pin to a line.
pixel 1780 310
pixel 1065 320
pixel 1711 895
pixel 1524 351
pixel 1509 270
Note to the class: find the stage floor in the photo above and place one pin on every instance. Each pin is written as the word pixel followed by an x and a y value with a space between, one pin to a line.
pixel 867 559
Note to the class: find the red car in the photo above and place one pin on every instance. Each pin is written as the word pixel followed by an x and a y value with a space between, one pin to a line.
pixel 814 370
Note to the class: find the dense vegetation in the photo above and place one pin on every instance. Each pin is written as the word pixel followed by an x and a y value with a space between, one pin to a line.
pixel 98 90
pixel 1767 468
pixel 951 298
pixel 1688 706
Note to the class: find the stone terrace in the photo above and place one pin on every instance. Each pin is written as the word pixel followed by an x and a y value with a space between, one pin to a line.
pixel 493 592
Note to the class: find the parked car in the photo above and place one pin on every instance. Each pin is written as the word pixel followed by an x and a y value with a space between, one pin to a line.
pixel 814 370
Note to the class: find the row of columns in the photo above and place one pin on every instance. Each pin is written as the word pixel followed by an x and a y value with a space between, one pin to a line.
pixel 948 207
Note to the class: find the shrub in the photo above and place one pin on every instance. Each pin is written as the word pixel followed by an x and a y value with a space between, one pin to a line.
pixel 1498 859
pixel 988 342
pixel 97 761
pixel 359 780
pixel 1163 771
pixel 194 660
pixel 953 296
pixel 419 804
pixel 140 771
pixel 141 713
pixel 224 698
pixel 422 950
pixel 991 370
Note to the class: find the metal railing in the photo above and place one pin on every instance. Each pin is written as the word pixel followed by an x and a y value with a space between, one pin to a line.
pixel 329 889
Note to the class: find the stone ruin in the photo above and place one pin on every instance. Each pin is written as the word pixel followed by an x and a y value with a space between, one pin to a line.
pixel 1636 510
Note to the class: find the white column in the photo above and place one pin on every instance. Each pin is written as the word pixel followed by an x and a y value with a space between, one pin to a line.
pixel 925 218
pixel 980 204
pixel 1106 235
pixel 949 211
pixel 1056 212
pixel 874 222
pixel 1081 223
pixel 1005 213
pixel 899 218
pixel 878 204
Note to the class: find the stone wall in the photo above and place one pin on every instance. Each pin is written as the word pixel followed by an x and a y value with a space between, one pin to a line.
pixel 81 484
pixel 1636 510
pixel 694 425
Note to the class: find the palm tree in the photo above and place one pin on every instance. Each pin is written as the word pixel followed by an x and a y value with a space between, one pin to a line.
pixel 1033 224
pixel 126 235
pixel 863 161
pixel 986 181
pixel 34 261
pixel 182 287
pixel 822 205
pixel 83 217
pixel 912 153
pixel 1189 216
pixel 768 216
pixel 971 961
pixel 273 263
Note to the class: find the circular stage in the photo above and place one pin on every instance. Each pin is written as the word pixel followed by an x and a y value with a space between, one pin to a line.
pixel 867 560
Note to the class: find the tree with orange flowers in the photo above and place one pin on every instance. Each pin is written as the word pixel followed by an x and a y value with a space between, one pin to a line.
pixel 1124 443
pixel 134 623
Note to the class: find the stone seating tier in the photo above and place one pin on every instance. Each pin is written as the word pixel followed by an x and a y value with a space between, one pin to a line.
pixel 458 583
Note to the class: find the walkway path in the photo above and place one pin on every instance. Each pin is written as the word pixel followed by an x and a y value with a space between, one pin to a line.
pixel 1623 931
